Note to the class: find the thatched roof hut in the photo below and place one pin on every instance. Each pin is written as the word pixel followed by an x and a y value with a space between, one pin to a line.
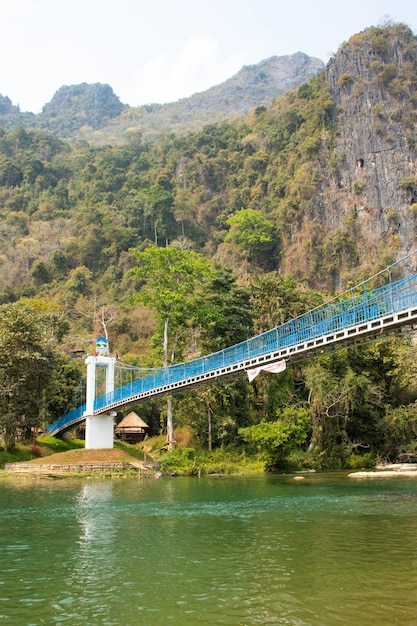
pixel 132 428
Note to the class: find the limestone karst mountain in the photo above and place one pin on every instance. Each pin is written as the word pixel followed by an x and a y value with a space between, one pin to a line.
pixel 327 170
pixel 94 112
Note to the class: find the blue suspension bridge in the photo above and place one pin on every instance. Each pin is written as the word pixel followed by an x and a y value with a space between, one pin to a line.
pixel 359 313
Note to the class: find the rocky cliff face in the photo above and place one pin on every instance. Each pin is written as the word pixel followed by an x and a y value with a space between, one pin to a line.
pixel 372 167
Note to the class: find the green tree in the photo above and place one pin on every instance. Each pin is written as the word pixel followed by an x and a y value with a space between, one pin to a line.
pixel 40 273
pixel 79 280
pixel 157 203
pixel 223 312
pixel 223 317
pixel 276 439
pixel 62 386
pixel 399 433
pixel 342 395
pixel 25 368
pixel 277 299
pixel 252 232
pixel 10 174
pixel 168 279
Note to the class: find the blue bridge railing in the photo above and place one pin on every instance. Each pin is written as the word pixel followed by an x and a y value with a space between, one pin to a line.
pixel 337 315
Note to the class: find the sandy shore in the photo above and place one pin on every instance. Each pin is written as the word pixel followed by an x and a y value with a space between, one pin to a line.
pixel 388 471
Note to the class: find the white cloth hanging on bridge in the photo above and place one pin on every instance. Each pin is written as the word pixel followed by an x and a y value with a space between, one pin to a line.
pixel 274 368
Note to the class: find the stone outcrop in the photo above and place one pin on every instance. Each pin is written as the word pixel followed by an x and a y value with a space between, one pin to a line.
pixel 371 170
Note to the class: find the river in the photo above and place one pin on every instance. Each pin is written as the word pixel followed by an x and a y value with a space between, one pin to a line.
pixel 325 551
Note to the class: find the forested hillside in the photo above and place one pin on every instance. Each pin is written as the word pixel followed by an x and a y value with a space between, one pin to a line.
pixel 286 206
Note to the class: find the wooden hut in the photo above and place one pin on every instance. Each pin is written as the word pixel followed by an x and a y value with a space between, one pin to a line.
pixel 131 429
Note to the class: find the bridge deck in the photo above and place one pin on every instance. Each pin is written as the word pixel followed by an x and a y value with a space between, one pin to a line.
pixel 337 323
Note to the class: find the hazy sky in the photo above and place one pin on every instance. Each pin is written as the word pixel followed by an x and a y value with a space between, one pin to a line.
pixel 163 50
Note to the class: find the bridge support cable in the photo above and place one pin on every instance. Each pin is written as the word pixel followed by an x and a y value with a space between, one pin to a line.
pixel 338 322
pixel 341 321
pixel 293 353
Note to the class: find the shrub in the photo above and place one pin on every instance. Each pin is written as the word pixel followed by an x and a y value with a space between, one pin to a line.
pixel 224 460
pixel 408 182
pixel 399 430
pixel 391 213
pixel 378 110
pixel 345 79
pixel 336 159
pixel 361 461
pixel 387 73
pixel 357 187
pixel 36 451
pixel 277 439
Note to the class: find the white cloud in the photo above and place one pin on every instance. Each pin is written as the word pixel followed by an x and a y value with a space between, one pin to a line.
pixel 168 77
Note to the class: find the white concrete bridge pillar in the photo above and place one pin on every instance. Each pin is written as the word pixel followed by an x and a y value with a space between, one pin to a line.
pixel 99 429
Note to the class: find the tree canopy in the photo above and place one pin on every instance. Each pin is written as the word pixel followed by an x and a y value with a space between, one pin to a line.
pixel 167 280
pixel 27 345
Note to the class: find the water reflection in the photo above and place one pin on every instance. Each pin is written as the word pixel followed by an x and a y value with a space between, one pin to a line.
pixel 95 516
pixel 93 570
pixel 186 551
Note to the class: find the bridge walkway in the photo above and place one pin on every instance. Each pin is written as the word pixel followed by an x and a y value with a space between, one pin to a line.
pixel 340 322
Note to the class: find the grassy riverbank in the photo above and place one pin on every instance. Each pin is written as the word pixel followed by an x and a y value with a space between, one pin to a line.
pixel 52 450
pixel 182 461
pixel 187 458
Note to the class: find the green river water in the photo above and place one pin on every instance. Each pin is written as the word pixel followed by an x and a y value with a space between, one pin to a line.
pixel 325 551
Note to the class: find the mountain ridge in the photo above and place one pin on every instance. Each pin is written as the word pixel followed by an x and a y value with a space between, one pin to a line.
pixel 330 167
pixel 93 112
